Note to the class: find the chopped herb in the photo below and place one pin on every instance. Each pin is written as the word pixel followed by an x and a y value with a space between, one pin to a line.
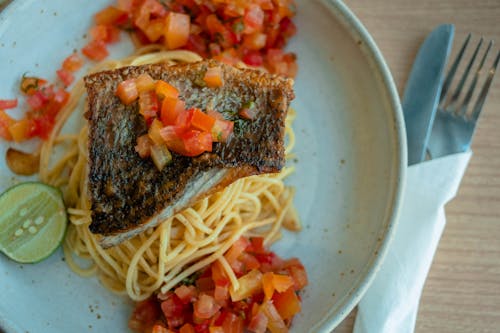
pixel 190 280
pixel 249 105
pixel 238 27
pixel 200 82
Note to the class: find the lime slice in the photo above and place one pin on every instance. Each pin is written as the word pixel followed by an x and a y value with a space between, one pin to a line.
pixel 32 221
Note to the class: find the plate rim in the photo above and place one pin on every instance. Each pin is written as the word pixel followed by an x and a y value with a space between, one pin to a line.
pixel 352 23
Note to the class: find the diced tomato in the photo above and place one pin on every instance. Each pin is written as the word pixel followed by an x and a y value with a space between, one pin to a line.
pixel 221 293
pixel 65 76
pixel 220 33
pixel 282 282
pixel 144 82
pixel 72 63
pixel 267 285
pixel 40 126
pixel 216 329
pixel 249 284
pixel 263 302
pixel 154 29
pixel 258 324
pixel 229 56
pixel 8 103
pixel 187 328
pixel 213 24
pixel 255 41
pixel 139 38
pixel 99 32
pixel 233 10
pixel 5 122
pixel 154 132
pixel 148 104
pixel 60 97
pixel 205 307
pixel 55 104
pixel 257 245
pixel 219 275
pixel 214 49
pixel 287 27
pixel 144 315
pixel 297 272
pixel 233 324
pixel 173 307
pixel 186 293
pixel 29 85
pixel 221 130
pixel 205 284
pixel 111 16
pixel 269 261
pixel 160 329
pixel 236 249
pixel 160 155
pixel 176 30
pixel 171 108
pixel 249 261
pixel 275 323
pixel 172 140
pixel 287 303
pixel 183 121
pixel 113 34
pixel 148 10
pixel 253 58
pixel 164 90
pixel 126 5
pixel 95 50
pixel 213 77
pixel 105 33
pixel 154 8
pixel 127 91
pixel 196 142
pixel 36 101
pixel 143 147
pixel 197 44
pixel 249 111
pixel 253 19
pixel 202 121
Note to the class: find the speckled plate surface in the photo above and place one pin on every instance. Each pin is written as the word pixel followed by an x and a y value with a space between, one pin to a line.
pixel 350 167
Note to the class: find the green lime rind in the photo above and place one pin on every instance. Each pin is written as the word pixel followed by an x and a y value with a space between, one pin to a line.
pixel 33 221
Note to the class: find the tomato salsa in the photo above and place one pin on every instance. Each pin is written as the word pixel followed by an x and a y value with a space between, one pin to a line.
pixel 267 298
pixel 172 127
pixel 253 31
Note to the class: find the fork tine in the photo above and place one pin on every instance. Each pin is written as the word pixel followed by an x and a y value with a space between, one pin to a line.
pixel 484 91
pixel 465 75
pixel 453 70
pixel 473 84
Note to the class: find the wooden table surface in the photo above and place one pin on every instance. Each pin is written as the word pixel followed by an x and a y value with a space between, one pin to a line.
pixel 462 291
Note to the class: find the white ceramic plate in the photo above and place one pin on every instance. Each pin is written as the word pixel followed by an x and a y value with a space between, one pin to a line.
pixel 351 159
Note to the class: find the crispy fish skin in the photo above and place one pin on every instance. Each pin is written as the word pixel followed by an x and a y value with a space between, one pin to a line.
pixel 128 194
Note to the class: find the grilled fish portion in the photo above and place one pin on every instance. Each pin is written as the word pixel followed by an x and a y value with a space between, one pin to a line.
pixel 128 194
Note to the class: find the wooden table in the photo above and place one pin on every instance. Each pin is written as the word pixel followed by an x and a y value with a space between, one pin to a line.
pixel 462 292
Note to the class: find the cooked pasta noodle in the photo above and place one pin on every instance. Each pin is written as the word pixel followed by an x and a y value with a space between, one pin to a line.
pixel 161 257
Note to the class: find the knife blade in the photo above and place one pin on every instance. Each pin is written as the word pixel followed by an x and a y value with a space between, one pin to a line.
pixel 423 88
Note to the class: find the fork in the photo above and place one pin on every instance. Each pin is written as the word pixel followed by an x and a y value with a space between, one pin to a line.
pixel 454 123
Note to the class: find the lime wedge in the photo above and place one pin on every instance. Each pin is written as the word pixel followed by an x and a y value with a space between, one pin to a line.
pixel 32 221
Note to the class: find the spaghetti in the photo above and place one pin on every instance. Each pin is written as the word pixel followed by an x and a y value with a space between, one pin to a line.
pixel 161 257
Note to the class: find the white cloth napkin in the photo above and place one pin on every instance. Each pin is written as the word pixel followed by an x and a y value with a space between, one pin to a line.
pixel 390 305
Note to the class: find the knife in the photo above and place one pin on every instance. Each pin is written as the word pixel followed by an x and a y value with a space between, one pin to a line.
pixel 423 88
